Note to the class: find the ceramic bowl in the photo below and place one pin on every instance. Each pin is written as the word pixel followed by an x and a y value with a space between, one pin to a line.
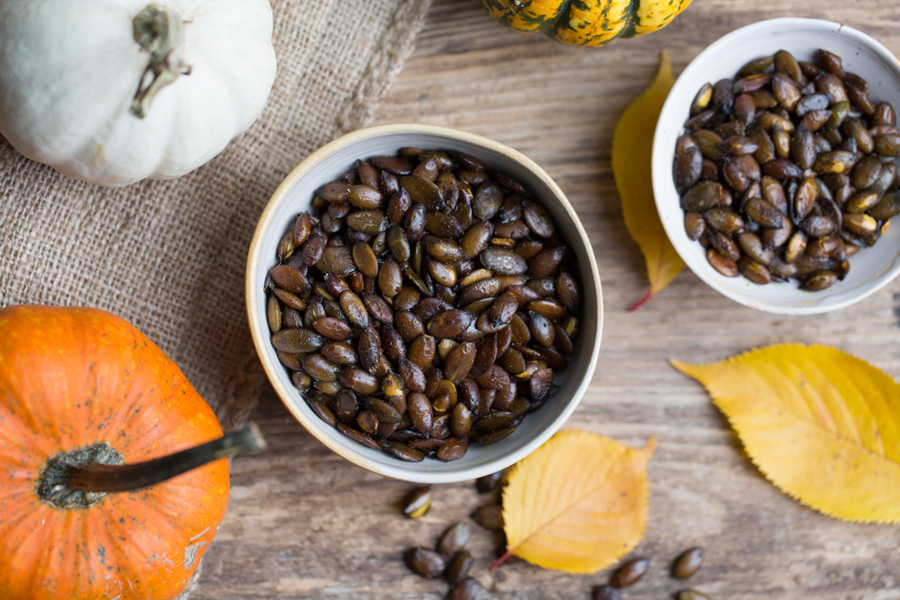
pixel 871 268
pixel 327 164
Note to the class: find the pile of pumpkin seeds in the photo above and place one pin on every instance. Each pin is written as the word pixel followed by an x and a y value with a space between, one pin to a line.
pixel 428 303
pixel 788 170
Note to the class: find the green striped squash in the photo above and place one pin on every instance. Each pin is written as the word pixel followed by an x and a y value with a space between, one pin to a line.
pixel 586 22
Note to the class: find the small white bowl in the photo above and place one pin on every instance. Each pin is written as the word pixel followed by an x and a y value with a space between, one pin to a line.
pixel 327 164
pixel 871 268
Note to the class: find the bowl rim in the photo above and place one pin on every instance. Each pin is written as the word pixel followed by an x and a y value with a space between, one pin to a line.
pixel 661 159
pixel 400 470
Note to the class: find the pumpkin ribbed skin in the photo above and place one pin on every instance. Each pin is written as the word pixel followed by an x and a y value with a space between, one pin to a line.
pixel 72 377
pixel 69 71
pixel 586 22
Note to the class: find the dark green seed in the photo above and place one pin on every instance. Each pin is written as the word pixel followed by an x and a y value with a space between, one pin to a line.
pixel 297 341
pixel 887 207
pixel 888 144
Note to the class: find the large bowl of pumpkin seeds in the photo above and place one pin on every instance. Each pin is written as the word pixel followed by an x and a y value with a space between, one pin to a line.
pixel 425 301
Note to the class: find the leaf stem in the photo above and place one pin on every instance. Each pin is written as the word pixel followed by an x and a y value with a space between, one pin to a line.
pixel 501 560
pixel 641 302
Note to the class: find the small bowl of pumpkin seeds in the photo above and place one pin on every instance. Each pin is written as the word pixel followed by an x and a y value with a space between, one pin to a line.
pixel 424 301
pixel 775 166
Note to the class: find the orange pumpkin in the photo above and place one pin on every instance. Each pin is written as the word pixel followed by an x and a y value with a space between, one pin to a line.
pixel 81 385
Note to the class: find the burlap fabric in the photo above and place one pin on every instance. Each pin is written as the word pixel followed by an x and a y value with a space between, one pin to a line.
pixel 169 256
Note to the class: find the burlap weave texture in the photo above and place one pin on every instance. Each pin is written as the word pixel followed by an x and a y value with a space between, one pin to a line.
pixel 169 256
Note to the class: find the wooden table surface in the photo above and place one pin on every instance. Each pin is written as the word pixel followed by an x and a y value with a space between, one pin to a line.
pixel 304 523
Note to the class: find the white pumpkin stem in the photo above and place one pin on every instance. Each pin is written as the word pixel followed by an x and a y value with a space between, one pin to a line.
pixel 160 31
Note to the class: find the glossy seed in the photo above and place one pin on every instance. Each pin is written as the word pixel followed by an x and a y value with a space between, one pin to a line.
pixel 805 198
pixel 465 589
pixel 786 91
pixel 539 220
pixel 888 144
pixel 488 199
pixel 426 562
pixel 751 244
pixel 860 224
pixel 454 449
pixel 692 595
pixel 340 353
pixel 763 213
pixel 607 592
pixel 412 375
pixel 887 207
pixel 703 196
pixel 702 99
pixel 819 281
pixel 273 314
pixel 364 259
pixel 489 517
pixel 390 278
pixel 359 381
pixel 417 502
pixel 454 539
pixel 545 262
pixel 725 266
pixel 724 220
pixel 297 341
pixel 459 567
pixel 694 225
pixel 502 262
pixel 358 437
pixel 450 324
pixel 630 573
pixel 321 410
pixel 365 196
pixel 488 483
pixel 402 451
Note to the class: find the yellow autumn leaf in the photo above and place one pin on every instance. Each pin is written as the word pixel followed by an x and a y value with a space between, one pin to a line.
pixel 578 503
pixel 821 424
pixel 631 162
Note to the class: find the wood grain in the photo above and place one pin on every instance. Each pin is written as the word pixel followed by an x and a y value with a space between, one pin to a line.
pixel 303 523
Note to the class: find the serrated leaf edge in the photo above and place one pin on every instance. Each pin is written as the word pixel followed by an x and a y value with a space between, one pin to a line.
pixel 643 500
pixel 684 368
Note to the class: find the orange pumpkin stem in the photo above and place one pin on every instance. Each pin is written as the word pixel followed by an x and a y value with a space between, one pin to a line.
pixel 81 477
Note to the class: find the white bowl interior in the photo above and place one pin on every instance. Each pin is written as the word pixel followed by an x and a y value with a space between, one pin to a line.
pixel 328 164
pixel 871 268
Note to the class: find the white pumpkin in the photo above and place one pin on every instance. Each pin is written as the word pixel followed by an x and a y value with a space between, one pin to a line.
pixel 115 91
